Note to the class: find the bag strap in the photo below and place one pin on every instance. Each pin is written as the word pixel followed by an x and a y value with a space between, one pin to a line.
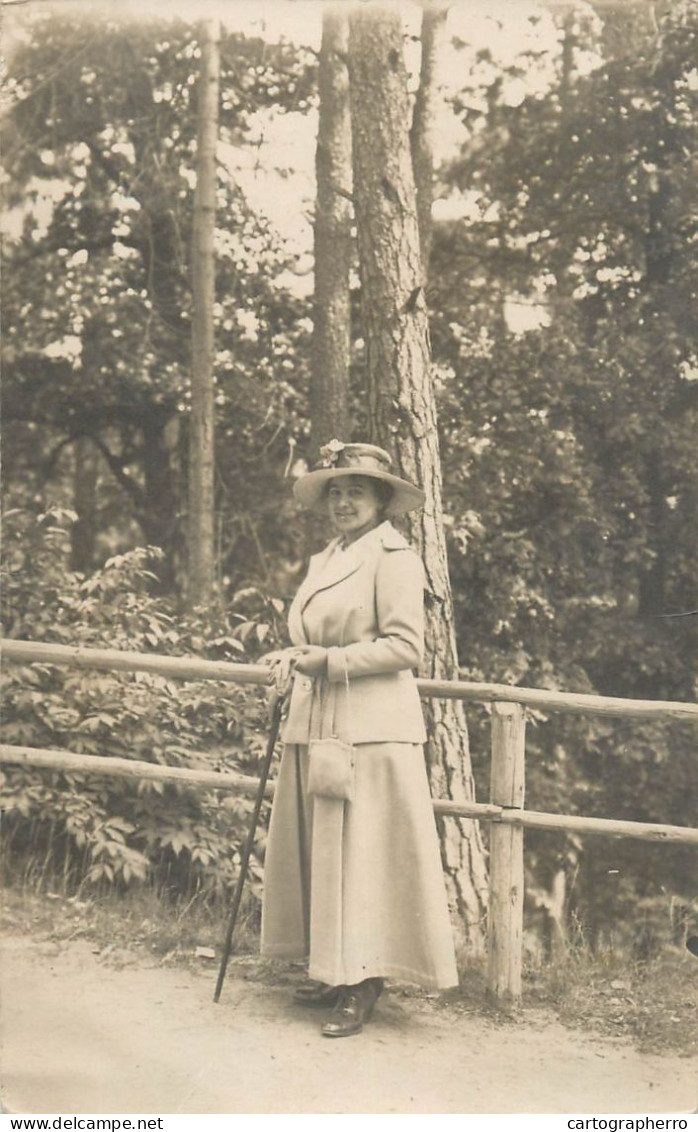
pixel 333 720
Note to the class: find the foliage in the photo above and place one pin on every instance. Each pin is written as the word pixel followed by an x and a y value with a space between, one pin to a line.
pixel 569 448
pixel 92 830
pixel 97 298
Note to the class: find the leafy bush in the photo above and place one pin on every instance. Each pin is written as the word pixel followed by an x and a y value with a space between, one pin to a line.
pixel 117 831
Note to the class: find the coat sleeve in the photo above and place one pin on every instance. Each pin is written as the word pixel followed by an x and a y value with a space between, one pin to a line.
pixel 400 612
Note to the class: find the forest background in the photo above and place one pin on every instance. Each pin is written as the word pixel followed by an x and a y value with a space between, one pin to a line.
pixel 561 296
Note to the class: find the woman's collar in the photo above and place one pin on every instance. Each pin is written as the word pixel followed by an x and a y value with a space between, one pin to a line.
pixel 381 533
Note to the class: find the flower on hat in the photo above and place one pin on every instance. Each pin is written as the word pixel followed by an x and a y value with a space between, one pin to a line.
pixel 330 452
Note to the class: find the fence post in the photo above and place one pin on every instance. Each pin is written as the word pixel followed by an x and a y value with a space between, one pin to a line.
pixel 506 856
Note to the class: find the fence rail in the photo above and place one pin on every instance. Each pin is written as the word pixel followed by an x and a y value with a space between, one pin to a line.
pixel 184 668
pixel 66 762
pixel 504 811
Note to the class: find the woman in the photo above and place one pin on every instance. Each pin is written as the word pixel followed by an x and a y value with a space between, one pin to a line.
pixel 354 883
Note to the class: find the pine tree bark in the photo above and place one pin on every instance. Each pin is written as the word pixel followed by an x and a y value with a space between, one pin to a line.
pixel 201 425
pixel 402 404
pixel 424 122
pixel 333 241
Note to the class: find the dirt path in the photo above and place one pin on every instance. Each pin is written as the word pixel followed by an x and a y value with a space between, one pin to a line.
pixel 82 1036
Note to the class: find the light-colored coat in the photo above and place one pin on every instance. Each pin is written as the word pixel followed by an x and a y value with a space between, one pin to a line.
pixel 365 605
pixel 357 887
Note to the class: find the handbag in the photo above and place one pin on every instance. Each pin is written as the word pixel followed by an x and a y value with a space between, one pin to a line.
pixel 332 769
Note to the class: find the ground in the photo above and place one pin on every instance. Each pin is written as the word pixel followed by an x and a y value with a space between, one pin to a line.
pixel 94 1028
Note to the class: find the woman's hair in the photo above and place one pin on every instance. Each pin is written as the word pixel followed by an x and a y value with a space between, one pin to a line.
pixel 384 491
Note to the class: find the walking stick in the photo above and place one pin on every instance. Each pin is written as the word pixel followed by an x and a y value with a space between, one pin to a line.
pixel 302 847
pixel 247 851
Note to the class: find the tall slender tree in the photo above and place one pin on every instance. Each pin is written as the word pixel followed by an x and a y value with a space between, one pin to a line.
pixel 84 530
pixel 333 239
pixel 401 398
pixel 201 426
pixel 424 120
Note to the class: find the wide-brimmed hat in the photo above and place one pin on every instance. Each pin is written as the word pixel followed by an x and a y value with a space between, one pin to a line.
pixel 339 460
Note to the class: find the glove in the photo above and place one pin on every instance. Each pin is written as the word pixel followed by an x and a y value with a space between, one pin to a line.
pixel 282 664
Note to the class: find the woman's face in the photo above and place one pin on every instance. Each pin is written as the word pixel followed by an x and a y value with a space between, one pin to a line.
pixel 354 506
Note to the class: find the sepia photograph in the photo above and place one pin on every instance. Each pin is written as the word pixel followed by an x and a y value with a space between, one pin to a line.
pixel 349 606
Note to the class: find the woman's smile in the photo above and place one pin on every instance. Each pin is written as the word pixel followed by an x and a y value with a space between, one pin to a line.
pixel 354 506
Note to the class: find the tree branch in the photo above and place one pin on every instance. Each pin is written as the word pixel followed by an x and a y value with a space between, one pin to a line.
pixel 116 467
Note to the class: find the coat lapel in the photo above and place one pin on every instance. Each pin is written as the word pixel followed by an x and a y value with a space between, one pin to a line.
pixel 319 576
pixel 328 568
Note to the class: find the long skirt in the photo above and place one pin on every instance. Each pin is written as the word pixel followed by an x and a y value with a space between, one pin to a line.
pixel 356 888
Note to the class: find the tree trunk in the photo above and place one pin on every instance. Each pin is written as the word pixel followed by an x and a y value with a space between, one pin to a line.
pixel 401 402
pixel 624 24
pixel 159 515
pixel 565 283
pixel 569 43
pixel 424 123
pixel 333 242
pixel 201 439
pixel 84 532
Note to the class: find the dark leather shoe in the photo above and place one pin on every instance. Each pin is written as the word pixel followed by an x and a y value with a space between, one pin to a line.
pixel 354 1007
pixel 316 994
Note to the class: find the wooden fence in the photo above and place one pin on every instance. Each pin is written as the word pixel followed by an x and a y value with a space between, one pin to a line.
pixel 504 811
